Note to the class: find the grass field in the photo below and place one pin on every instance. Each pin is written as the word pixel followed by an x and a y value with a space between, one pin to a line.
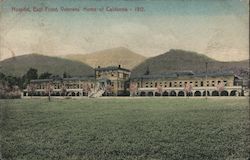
pixel 140 128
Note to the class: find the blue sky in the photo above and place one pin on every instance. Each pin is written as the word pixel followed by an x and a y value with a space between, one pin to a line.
pixel 217 28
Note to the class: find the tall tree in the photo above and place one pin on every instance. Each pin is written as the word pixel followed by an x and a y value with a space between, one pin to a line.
pixel 2 76
pixel 45 75
pixel 66 75
pixel 31 74
pixel 147 71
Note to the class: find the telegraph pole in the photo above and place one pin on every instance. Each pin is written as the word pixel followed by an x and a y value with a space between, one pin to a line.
pixel 206 82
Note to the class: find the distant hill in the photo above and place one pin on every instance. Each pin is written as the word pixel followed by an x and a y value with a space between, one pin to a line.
pixel 110 57
pixel 19 65
pixel 179 60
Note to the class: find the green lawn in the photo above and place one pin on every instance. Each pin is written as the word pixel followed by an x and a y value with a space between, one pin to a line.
pixel 140 128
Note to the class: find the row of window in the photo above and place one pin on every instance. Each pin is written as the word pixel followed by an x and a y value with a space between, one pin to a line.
pixel 120 85
pixel 112 74
pixel 68 86
pixel 182 84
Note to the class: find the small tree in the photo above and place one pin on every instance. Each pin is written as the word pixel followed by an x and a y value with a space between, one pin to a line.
pixel 2 89
pixel 159 89
pixel 133 88
pixel 86 88
pixel 63 90
pixel 31 88
pixel 16 92
pixel 109 89
pixel 188 89
pixel 49 89
pixel 220 87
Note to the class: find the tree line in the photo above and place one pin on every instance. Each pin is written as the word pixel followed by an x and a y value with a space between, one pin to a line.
pixel 11 86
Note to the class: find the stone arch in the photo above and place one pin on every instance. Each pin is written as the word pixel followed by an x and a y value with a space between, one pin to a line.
pixel 54 93
pixel 150 93
pixel 165 93
pixel 233 93
pixel 181 93
pixel 73 94
pixel 189 94
pixel 78 94
pixel 62 94
pixel 57 93
pixel 215 93
pixel 172 93
pixel 197 93
pixel 143 93
pixel 204 93
pixel 224 93
pixel 157 94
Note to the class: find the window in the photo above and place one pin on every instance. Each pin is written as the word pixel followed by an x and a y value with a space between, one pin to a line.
pixel 196 83
pixel 170 84
pixel 225 83
pixel 201 83
pixel 213 83
pixel 180 84
pixel 207 83
pixel 175 84
pixel 155 84
pixel 120 75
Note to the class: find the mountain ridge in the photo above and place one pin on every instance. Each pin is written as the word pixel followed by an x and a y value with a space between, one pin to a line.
pixel 114 57
pixel 173 60
pixel 177 60
pixel 19 65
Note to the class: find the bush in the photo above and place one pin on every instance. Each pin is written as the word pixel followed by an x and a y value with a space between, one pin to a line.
pixel 10 95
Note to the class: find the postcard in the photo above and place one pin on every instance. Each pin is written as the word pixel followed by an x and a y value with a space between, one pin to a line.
pixel 124 79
